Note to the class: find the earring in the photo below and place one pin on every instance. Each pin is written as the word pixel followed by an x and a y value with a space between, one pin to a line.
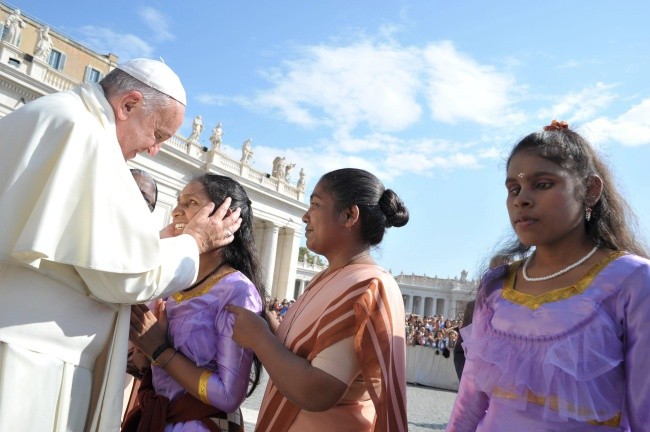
pixel 588 214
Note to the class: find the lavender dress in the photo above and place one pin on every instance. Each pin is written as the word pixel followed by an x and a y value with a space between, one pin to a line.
pixel 574 359
pixel 201 329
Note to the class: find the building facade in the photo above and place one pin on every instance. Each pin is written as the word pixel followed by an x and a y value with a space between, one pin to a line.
pixel 428 296
pixel 35 62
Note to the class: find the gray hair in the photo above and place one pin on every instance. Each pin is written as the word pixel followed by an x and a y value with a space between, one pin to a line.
pixel 118 82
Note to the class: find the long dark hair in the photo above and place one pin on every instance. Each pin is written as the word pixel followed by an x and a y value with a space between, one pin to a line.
pixel 612 224
pixel 379 208
pixel 240 253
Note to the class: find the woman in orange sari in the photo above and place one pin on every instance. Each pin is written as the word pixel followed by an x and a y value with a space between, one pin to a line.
pixel 337 360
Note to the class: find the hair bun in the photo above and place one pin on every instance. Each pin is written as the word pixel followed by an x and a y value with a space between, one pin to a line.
pixel 556 126
pixel 394 209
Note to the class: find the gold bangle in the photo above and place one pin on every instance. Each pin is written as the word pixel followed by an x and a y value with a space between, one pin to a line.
pixel 203 386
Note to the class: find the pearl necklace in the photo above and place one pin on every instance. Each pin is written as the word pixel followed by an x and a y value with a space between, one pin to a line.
pixel 557 273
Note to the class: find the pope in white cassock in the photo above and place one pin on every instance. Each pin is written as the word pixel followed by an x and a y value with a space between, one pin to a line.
pixel 78 245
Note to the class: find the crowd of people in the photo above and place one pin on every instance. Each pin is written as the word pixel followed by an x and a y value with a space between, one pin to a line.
pixel 557 339
pixel 433 332
pixel 278 309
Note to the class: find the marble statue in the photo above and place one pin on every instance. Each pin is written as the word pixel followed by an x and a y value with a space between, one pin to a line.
pixel 301 179
pixel 246 151
pixel 215 137
pixel 197 128
pixel 14 25
pixel 287 168
pixel 43 44
pixel 278 167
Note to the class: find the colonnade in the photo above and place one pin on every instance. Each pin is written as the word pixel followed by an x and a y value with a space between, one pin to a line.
pixel 423 305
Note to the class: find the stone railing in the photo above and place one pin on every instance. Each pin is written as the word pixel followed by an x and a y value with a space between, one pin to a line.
pixel 310 266
pixel 212 158
pixel 434 282
pixel 59 81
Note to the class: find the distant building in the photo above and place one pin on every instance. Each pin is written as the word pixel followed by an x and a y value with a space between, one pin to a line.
pixel 24 77
pixel 304 273
pixel 277 204
pixel 428 296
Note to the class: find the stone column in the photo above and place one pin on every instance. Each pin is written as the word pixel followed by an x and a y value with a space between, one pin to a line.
pixel 444 310
pixel 269 252
pixel 408 307
pixel 286 261
pixel 303 284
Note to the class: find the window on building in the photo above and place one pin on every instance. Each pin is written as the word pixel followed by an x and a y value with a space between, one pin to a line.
pixel 92 75
pixel 57 59
pixel 3 30
pixel 14 62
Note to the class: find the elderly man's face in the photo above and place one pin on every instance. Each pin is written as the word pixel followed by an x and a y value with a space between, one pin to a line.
pixel 143 131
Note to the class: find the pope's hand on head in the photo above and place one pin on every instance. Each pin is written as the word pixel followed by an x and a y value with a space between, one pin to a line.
pixel 214 229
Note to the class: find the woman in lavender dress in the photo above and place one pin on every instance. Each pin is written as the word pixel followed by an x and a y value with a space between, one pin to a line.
pixel 559 339
pixel 200 376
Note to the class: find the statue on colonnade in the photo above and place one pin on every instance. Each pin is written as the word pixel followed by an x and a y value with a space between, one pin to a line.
pixel 246 151
pixel 197 128
pixel 215 137
pixel 14 25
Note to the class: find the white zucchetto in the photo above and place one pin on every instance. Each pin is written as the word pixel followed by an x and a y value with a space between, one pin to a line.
pixel 156 74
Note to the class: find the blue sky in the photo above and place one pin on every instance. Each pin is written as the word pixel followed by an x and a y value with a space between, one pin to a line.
pixel 428 95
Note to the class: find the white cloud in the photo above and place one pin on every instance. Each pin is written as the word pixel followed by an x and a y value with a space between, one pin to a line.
pixel 157 22
pixel 580 106
pixel 370 94
pixel 385 155
pixel 460 89
pixel 125 45
pixel 570 64
pixel 362 83
pixel 379 85
pixel 631 128
pixel 490 153
pixel 209 99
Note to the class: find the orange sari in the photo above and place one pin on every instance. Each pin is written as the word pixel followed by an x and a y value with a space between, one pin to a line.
pixel 362 302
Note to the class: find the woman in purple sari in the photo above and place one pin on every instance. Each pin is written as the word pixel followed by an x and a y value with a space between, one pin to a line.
pixel 199 376
pixel 559 338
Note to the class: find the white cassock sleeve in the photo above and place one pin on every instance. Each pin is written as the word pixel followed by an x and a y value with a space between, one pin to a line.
pixel 169 277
